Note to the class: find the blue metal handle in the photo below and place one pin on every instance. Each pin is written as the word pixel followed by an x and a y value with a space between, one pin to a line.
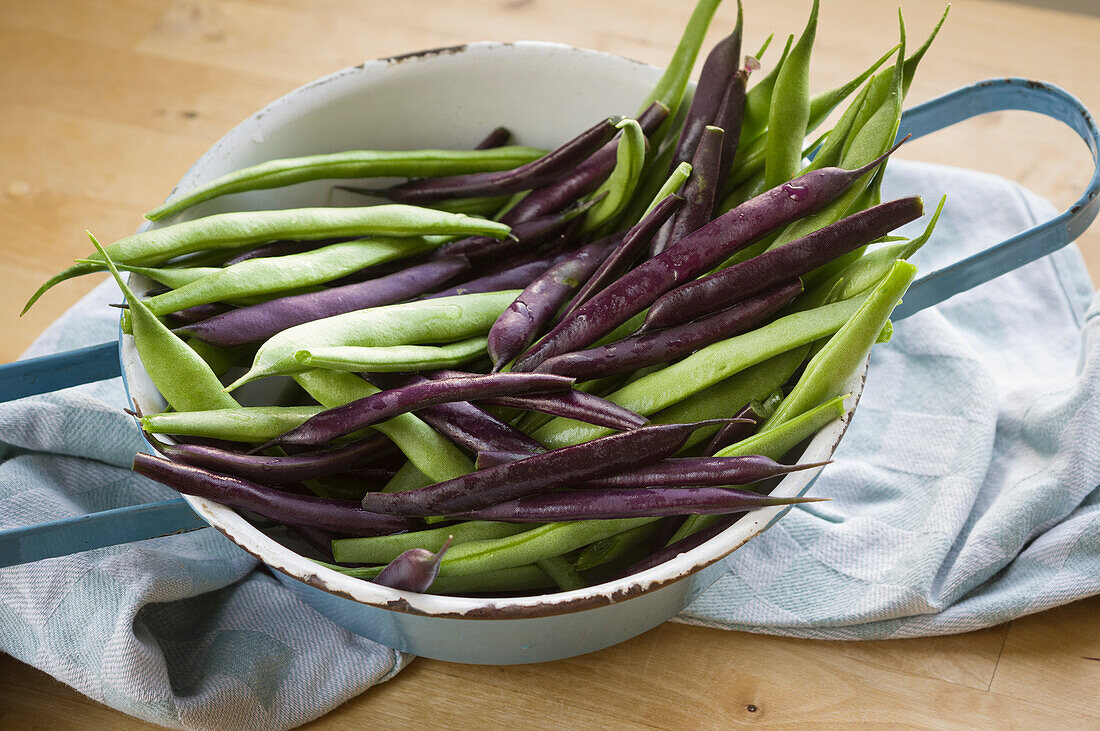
pixel 61 370
pixel 96 530
pixel 106 528
pixel 992 96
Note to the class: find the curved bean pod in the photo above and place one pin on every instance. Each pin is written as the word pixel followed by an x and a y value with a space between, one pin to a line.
pixel 714 79
pixel 337 422
pixel 538 473
pixel 425 321
pixel 262 321
pixel 652 348
pixel 645 502
pixel 542 171
pixel 721 289
pixel 519 325
pixel 629 247
pixel 350 164
pixel 180 374
pixel 342 516
pixel 227 230
pixel 279 470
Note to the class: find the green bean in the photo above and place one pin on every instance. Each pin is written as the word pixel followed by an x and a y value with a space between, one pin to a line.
pixel 443 319
pixel 517 578
pixel 655 177
pixel 173 278
pixel 432 453
pixel 710 365
pixel 219 359
pixel 277 274
pixel 408 477
pixel 724 398
pixel 789 112
pixel 226 230
pixel 546 541
pixel 512 579
pixel 751 157
pixel 350 164
pixel 870 142
pixel 610 548
pixel 872 268
pixel 758 102
pixel 179 373
pixel 832 147
pixel 828 372
pixel 383 549
pixel 619 186
pixel 882 84
pixel 561 572
pixel 671 186
pixel 669 89
pixel 764 46
pixel 488 207
pixel 255 424
pixel 774 442
pixel 394 358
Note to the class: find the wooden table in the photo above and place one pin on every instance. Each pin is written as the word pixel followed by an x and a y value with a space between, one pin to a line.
pixel 107 103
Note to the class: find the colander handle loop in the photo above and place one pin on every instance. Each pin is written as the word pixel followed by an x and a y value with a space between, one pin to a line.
pixel 84 532
pixel 59 370
pixel 1045 238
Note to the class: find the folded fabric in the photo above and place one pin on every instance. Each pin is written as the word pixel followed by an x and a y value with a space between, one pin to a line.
pixel 967 489
pixel 186 630
pixel 968 450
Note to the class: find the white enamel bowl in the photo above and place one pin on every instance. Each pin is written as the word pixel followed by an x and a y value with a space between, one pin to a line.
pixel 451 98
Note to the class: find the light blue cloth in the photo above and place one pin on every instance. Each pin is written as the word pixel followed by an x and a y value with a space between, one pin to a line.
pixel 964 495
pixel 184 631
pixel 967 489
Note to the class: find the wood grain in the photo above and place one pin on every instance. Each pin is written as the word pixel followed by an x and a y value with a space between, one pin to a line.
pixel 108 101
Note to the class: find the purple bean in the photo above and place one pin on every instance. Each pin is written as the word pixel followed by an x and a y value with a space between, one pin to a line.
pixel 463 423
pixel 644 502
pixel 519 325
pixel 277 470
pixel 333 423
pixel 261 321
pixel 538 473
pixel 700 472
pixel 342 516
pixel 730 116
pixel 497 138
pixel 691 256
pixel 525 235
pixel 635 241
pixel 577 405
pixel 517 273
pixel 714 80
pixel 660 347
pixel 198 313
pixel 586 177
pixel 413 570
pixel 721 289
pixel 279 248
pixel 547 169
pixel 492 457
pixel 752 416
pixel 699 191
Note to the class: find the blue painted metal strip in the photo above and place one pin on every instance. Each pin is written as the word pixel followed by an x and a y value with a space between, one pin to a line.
pixel 106 528
pixel 1038 241
pixel 60 370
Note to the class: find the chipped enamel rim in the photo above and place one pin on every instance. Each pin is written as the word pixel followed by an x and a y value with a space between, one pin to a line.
pixel 283 559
